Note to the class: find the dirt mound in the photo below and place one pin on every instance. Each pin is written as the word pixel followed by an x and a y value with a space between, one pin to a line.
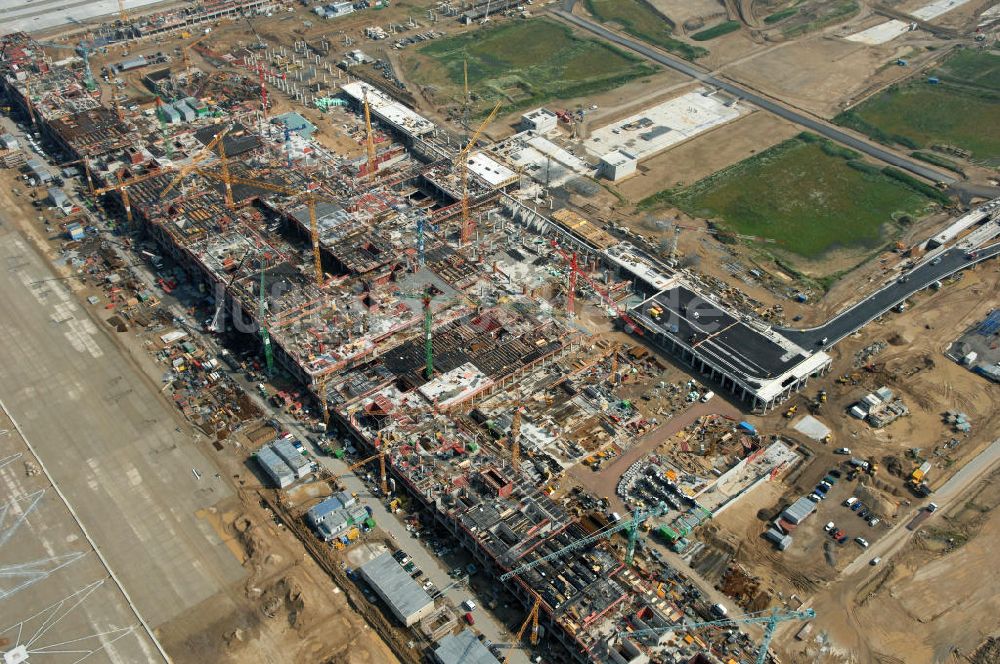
pixel 893 465
pixel 877 500
pixel 898 339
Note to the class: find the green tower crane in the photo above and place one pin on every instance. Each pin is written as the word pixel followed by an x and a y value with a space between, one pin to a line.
pixel 770 619
pixel 265 336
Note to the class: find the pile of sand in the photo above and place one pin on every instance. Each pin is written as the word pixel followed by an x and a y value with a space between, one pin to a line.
pixel 877 501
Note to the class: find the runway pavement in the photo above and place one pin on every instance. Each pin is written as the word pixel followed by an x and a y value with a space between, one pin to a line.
pixel 109 441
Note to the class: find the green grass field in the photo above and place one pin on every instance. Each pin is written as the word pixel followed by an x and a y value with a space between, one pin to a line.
pixel 959 111
pixel 523 64
pixel 804 194
pixel 640 20
pixel 716 31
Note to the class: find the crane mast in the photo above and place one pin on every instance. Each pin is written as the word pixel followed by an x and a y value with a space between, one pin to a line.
pixel 769 619
pixel 265 336
pixel 628 524
pixel 468 225
pixel 370 137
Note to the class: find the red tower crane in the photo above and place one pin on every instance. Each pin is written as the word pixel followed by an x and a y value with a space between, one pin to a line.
pixel 575 269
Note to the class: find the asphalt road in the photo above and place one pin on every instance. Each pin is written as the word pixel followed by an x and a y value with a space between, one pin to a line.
pixel 886 298
pixel 949 491
pixel 689 69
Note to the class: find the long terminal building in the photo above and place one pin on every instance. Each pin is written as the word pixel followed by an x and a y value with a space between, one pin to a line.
pixel 391 260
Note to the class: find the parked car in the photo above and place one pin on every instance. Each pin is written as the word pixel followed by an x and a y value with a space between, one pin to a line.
pixel 469 605
pixel 846 451
pixel 851 502
pixel 835 473
pixel 864 513
pixel 469 618
pixel 862 541
pixel 828 527
pixel 837 535
pixel 874 522
pixel 856 506
pixel 875 561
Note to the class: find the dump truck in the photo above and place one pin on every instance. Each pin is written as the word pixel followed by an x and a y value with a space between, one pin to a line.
pixel 920 473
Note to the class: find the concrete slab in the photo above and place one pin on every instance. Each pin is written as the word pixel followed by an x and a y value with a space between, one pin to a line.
pixel 812 427
pixel 657 128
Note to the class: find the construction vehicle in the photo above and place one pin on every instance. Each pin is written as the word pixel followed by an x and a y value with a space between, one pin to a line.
pixel 791 412
pixel 770 620
pixel 822 396
pixel 872 466
pixel 631 525
pixel 919 474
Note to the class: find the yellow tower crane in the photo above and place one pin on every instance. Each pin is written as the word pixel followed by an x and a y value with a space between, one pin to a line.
pixel 122 188
pixel 462 161
pixel 369 138
pixel 310 200
pixel 185 54
pixel 195 161
pixel 515 439
pixel 533 620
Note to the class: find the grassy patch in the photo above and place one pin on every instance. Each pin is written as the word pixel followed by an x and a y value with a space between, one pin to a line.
pixel 716 31
pixel 958 111
pixel 781 16
pixel 805 194
pixel 822 15
pixel 938 160
pixel 523 64
pixel 641 20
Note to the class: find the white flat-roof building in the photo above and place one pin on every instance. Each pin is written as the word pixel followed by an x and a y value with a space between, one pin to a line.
pixel 540 120
pixel 494 173
pixel 618 165
pixel 388 110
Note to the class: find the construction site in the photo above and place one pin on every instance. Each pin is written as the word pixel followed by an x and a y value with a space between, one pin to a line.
pixel 398 337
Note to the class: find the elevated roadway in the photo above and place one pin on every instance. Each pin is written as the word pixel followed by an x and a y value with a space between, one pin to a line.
pixel 813 124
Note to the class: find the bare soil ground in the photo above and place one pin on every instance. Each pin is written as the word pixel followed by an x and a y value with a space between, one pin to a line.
pixel 902 614
pixel 703 155
pixel 819 74
pixel 287 610
pixel 680 11
pixel 931 603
